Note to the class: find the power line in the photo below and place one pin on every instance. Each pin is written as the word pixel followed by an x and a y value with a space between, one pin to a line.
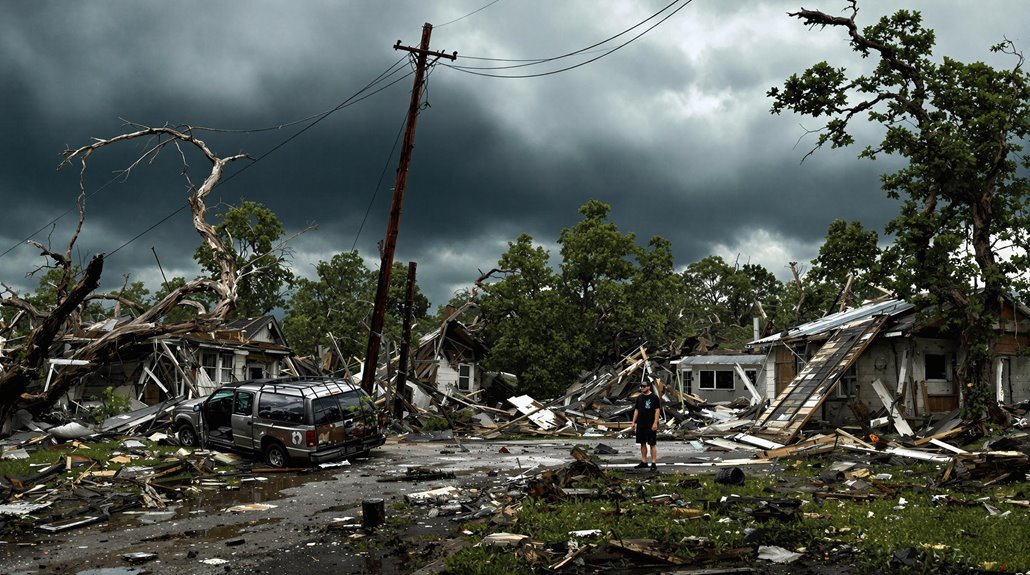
pixel 526 63
pixel 386 74
pixel 485 59
pixel 58 218
pixel 391 70
pixel 469 14
pixel 346 103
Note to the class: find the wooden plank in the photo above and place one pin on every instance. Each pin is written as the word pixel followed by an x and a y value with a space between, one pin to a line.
pixel 902 373
pixel 856 440
pixel 941 435
pixel 829 441
pixel 756 397
pixel 757 441
pixel 903 452
pixel 728 445
pixel 948 446
pixel 899 422
pixel 794 407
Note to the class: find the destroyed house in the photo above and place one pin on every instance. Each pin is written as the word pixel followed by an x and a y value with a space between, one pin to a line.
pixel 881 359
pixel 448 359
pixel 721 377
pixel 191 364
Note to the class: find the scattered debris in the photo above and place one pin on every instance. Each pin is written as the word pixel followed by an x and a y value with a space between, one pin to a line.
pixel 777 554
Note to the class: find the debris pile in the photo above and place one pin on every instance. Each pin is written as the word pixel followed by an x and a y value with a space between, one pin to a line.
pixel 103 473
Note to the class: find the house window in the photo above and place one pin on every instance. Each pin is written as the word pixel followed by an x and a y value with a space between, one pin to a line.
pixel 225 367
pixel 218 366
pixel 255 371
pixel 465 376
pixel 715 379
pixel 936 366
pixel 752 376
pixel 848 384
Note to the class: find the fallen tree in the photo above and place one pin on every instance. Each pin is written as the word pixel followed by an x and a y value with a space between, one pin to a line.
pixel 25 363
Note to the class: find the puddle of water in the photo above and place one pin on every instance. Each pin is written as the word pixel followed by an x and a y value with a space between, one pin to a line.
pixel 218 495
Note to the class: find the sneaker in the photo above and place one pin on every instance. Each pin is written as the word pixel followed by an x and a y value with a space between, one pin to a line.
pixel 641 465
pixel 654 466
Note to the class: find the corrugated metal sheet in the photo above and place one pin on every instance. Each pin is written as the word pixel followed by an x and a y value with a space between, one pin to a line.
pixel 743 359
pixel 836 320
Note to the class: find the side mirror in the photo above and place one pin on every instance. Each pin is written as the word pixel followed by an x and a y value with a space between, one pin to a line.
pixel 196 407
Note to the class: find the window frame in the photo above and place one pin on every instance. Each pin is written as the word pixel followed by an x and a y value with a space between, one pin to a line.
pixel 718 380
pixel 469 379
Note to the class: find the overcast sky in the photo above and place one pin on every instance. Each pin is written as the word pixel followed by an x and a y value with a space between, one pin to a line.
pixel 673 130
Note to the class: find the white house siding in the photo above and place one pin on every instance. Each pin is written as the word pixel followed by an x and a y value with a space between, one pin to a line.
pixel 446 378
pixel 721 395
pixel 1015 379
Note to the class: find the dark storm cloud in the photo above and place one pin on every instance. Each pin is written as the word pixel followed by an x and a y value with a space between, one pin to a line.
pixel 673 130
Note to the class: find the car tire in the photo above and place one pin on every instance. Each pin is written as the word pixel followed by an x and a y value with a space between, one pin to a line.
pixel 276 455
pixel 187 436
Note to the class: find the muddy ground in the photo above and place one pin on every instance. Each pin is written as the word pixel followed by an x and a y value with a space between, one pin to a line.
pixel 303 533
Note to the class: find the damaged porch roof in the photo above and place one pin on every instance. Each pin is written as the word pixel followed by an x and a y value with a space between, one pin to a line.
pixel 825 325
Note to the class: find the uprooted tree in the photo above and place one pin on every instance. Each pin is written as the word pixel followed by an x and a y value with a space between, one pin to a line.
pixel 73 290
pixel 961 235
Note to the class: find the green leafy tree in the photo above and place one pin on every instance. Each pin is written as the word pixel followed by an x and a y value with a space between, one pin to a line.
pixel 443 311
pixel 339 302
pixel 393 324
pixel 610 296
pixel 135 292
pixel 255 236
pixel 961 128
pixel 528 322
pixel 654 298
pixel 849 259
pixel 596 270
pixel 722 299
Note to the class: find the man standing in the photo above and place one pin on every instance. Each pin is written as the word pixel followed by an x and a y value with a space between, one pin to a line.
pixel 645 421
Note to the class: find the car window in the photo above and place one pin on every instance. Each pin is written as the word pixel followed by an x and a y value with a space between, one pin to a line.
pixel 281 407
pixel 338 407
pixel 244 403
pixel 220 395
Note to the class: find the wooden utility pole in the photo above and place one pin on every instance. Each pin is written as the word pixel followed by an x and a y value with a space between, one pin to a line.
pixel 422 54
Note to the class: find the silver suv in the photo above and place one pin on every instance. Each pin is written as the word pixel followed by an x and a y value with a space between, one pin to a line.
pixel 308 419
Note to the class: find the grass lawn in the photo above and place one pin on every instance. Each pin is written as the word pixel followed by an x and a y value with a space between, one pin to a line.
pixel 708 524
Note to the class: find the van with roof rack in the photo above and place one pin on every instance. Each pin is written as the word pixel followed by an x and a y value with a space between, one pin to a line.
pixel 308 419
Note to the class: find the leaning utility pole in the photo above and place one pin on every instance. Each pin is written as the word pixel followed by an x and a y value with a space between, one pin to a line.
pixel 376 328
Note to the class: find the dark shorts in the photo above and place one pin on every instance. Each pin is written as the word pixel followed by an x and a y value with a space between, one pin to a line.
pixel 647 435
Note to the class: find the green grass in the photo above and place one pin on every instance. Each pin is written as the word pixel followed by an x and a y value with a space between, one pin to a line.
pixel 101 453
pixel 949 537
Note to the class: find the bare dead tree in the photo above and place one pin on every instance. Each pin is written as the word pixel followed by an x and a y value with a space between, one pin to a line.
pixel 72 293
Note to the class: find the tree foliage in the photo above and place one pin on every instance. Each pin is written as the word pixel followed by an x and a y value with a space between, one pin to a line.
pixel 608 296
pixel 722 299
pixel 254 235
pixel 339 302
pixel 961 127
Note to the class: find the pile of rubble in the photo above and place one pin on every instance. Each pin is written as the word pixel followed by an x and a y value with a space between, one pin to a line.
pixel 83 481
pixel 600 403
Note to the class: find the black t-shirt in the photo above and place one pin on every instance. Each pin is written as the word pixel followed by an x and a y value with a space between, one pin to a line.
pixel 645 406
